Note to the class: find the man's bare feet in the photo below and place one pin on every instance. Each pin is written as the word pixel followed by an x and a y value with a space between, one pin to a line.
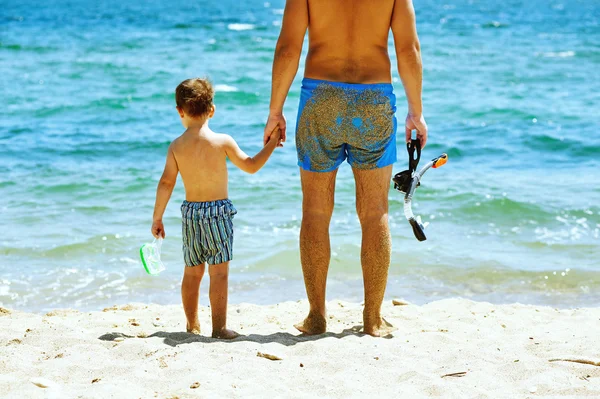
pixel 379 329
pixel 314 324
pixel 194 328
pixel 225 334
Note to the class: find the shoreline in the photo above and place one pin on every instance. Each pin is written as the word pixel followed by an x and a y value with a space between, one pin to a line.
pixel 449 348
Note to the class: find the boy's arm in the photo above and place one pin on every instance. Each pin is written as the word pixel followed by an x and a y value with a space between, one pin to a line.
pixel 163 193
pixel 285 62
pixel 410 68
pixel 245 162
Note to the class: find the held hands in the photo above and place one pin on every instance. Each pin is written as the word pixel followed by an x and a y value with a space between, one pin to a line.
pixel 416 122
pixel 158 229
pixel 274 121
pixel 275 135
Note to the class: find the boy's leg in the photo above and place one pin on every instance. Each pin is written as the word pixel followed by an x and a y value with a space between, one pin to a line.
pixel 219 279
pixel 190 290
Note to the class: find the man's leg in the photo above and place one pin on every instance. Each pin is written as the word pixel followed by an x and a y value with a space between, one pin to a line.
pixel 315 252
pixel 190 290
pixel 372 189
pixel 219 285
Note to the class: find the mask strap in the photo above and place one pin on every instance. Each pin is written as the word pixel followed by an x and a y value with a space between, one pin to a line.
pixel 412 161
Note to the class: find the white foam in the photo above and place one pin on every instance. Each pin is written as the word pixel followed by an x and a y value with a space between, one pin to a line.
pixel 239 27
pixel 226 88
pixel 129 260
pixel 558 54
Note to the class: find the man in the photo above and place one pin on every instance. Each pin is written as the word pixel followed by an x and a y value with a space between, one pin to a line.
pixel 347 110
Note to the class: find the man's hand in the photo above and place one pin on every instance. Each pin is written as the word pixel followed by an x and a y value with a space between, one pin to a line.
pixel 158 229
pixel 274 121
pixel 417 123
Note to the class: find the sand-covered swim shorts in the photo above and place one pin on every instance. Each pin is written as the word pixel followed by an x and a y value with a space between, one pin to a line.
pixel 338 121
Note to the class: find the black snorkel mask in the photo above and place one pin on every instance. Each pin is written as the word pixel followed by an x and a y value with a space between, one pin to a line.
pixel 407 182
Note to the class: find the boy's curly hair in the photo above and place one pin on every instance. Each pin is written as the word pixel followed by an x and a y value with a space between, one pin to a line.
pixel 195 97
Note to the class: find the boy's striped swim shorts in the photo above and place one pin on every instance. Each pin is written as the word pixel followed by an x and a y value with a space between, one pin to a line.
pixel 207 232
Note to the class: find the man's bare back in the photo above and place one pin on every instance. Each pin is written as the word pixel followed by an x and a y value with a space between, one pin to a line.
pixel 348 40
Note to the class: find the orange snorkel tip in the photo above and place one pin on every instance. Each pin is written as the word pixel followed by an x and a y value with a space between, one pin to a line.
pixel 440 161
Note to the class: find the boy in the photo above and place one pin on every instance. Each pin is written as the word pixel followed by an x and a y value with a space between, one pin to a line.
pixel 200 155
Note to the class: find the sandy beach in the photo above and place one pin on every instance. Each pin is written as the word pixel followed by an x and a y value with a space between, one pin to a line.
pixel 451 348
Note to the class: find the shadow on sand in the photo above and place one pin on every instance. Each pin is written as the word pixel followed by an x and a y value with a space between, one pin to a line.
pixel 283 338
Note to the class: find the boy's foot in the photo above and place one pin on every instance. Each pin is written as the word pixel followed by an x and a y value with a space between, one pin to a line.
pixel 225 334
pixel 194 328
pixel 314 324
pixel 379 329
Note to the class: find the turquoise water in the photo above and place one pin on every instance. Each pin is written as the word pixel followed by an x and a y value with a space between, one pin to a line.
pixel 510 92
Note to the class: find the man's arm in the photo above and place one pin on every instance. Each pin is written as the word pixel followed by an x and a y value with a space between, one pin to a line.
pixel 245 162
pixel 163 193
pixel 285 62
pixel 408 52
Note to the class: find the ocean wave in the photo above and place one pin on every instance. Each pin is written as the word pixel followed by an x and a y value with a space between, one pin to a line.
pixel 478 208
pixel 108 104
pixel 473 206
pixel 544 143
pixel 514 113
pixel 91 247
pixel 495 25
pixel 4 184
pixel 559 247
pixel 117 148
pixel 33 49
pixel 17 131
pixel 185 26
pixel 239 97
pixel 521 283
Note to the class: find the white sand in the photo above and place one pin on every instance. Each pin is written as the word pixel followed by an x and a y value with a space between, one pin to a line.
pixel 504 350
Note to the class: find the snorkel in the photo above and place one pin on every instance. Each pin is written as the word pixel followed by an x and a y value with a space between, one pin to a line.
pixel 407 182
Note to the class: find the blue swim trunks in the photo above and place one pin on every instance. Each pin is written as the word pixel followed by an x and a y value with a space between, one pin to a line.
pixel 207 232
pixel 338 121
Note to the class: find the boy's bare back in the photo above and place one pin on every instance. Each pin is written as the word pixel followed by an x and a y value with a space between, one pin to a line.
pixel 201 159
pixel 200 155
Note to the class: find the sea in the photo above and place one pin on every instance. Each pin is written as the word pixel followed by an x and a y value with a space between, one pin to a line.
pixel 511 94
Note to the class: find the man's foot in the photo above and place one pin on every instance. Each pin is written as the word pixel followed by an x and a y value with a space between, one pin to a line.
pixel 380 328
pixel 225 334
pixel 314 324
pixel 193 328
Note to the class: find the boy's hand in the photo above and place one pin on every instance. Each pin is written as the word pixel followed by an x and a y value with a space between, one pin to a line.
pixel 274 121
pixel 275 135
pixel 158 229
